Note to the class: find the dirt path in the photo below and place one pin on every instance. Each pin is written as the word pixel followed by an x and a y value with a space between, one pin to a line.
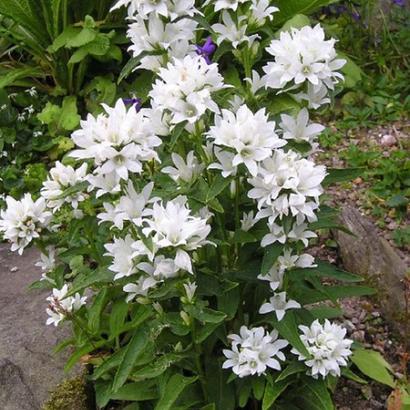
pixel 28 368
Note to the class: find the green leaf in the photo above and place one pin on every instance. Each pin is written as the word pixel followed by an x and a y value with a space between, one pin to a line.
pixel 94 313
pixel 272 252
pixel 288 329
pixel 351 71
pixel 241 236
pixel 313 395
pixel 63 38
pixel 118 315
pixel 158 367
pixel 258 387
pixel 205 314
pixel 346 372
pixel 175 386
pixel 342 175
pixel 219 184
pixel 373 365
pixel 102 275
pixel 18 73
pixel 219 390
pixel 291 369
pixel 298 21
pixel 140 391
pixel 282 104
pixel 228 303
pixel 80 352
pixel 84 37
pixel 28 14
pixel 325 312
pixel 272 393
pixel 135 347
pixel 331 271
pixel 290 8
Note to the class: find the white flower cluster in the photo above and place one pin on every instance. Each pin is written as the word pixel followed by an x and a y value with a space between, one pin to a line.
pixel 60 305
pixel 303 56
pixel 328 347
pixel 170 228
pixel 118 142
pixel 23 221
pixel 184 89
pixel 287 184
pixel 251 137
pixel 61 178
pixel 253 351
pixel 160 30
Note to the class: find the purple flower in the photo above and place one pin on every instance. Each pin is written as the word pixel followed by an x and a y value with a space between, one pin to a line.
pixel 133 101
pixel 400 3
pixel 206 50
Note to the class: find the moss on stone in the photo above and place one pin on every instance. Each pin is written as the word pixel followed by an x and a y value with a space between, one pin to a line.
pixel 69 395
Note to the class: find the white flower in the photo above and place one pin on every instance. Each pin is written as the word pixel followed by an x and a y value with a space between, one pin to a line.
pixel 248 221
pixel 328 347
pixel 298 128
pixel 256 82
pixel 23 221
pixel 105 184
pixel 316 96
pixel 184 171
pixel 60 305
pixel 303 55
pixel 122 252
pixel 154 35
pixel 225 163
pixel 165 8
pixel 254 351
pixel 173 225
pixel 132 207
pixel 232 32
pixel 184 89
pixel 118 141
pixel 47 260
pixel 262 10
pixel 278 304
pixel 226 4
pixel 287 184
pixel 190 289
pixel 161 269
pixel 274 276
pixel 61 178
pixel 135 289
pixel 251 136
pixel 300 233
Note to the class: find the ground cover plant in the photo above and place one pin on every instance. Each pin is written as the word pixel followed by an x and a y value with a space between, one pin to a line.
pixel 173 233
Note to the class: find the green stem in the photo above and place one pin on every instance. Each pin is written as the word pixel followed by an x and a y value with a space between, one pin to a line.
pixel 198 364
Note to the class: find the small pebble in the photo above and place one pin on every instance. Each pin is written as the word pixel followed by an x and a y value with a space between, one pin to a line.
pixel 388 140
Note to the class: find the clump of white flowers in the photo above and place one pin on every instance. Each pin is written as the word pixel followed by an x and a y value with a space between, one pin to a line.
pixel 118 142
pixel 60 305
pixel 61 178
pixel 251 137
pixel 328 346
pixel 23 221
pixel 303 56
pixel 254 351
pixel 184 89
pixel 180 192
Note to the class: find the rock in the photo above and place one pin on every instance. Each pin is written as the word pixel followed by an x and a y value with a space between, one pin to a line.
pixel 370 255
pixel 388 140
pixel 15 394
pixel 26 343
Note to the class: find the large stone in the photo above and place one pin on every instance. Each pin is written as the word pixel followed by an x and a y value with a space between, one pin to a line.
pixel 368 254
pixel 28 368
